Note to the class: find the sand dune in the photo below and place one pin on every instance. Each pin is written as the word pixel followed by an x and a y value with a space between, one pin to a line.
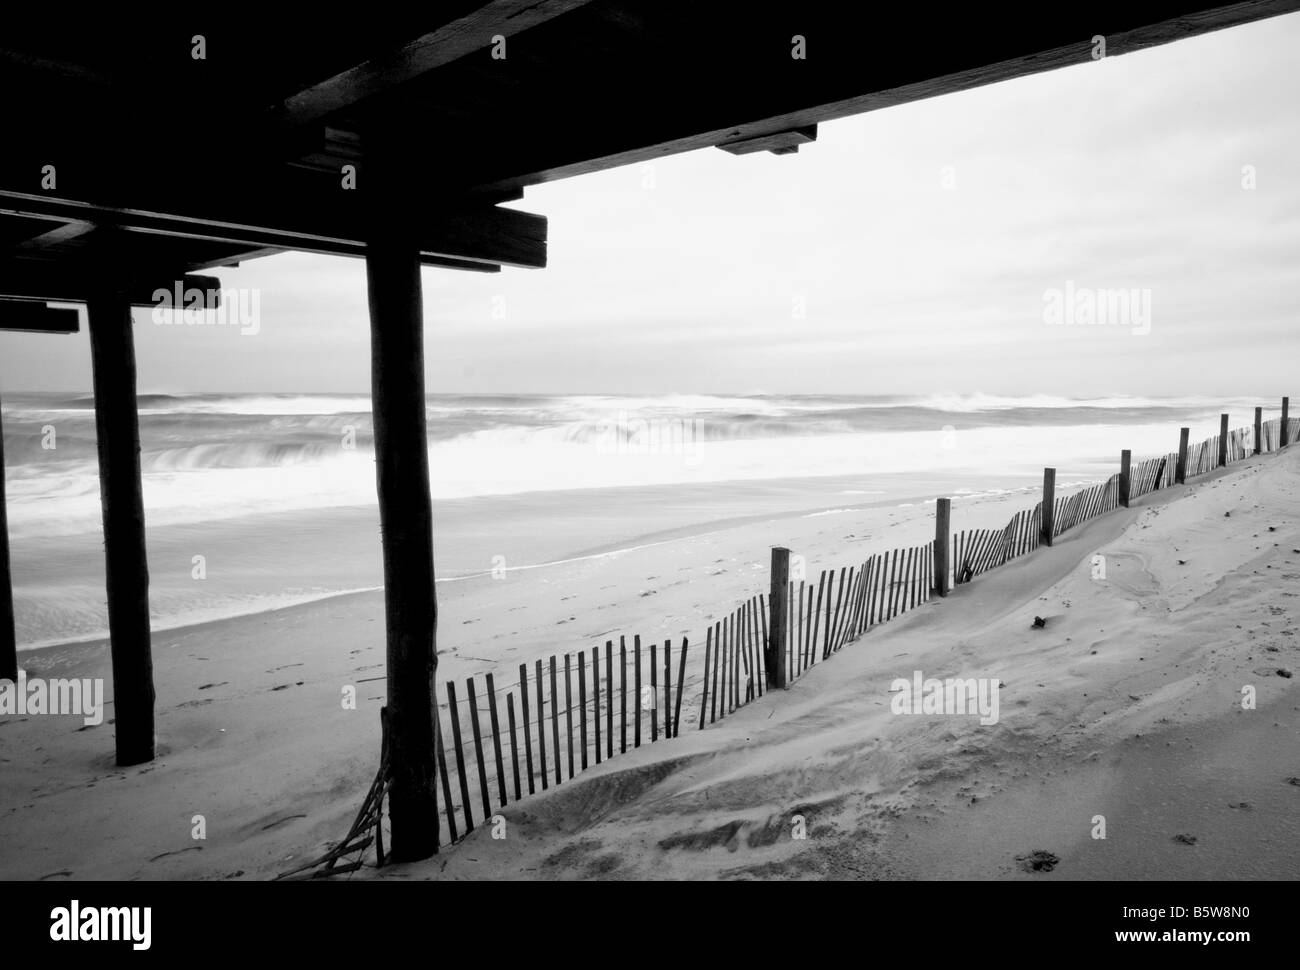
pixel 1126 705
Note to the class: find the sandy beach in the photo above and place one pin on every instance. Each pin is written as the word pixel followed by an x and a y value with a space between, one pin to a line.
pixel 1127 706
pixel 1134 678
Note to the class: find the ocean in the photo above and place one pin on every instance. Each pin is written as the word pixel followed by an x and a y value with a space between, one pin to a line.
pixel 256 501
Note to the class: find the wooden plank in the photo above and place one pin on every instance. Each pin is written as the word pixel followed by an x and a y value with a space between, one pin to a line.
pixel 496 740
pixel 595 695
pixel 8 638
pixel 440 745
pixel 582 711
pixel 514 743
pixel 465 807
pixel 762 619
pixel 528 736
pixel 609 698
pixel 31 316
pixel 478 748
pixel 778 142
pixel 807 614
pixel 704 697
pixel 555 723
pixel 541 728
pixel 568 712
pixel 681 682
pixel 636 689
pixel 717 662
pixel 668 688
pixel 469 34
pixel 1180 469
pixel 654 692
pixel 622 690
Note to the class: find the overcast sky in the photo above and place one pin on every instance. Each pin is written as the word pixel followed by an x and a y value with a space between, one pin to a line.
pixel 918 241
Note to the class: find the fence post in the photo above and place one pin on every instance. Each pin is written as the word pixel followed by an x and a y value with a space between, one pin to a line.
pixel 1180 467
pixel 1049 503
pixel 1286 404
pixel 1223 440
pixel 942 517
pixel 1259 428
pixel 1125 475
pixel 778 606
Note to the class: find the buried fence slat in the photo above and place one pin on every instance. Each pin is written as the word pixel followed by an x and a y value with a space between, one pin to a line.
pixel 735 660
pixel 478 748
pixel 595 697
pixel 555 724
pixel 541 728
pixel 581 706
pixel 528 730
pixel 441 752
pixel 609 698
pixel 668 688
pixel 817 612
pixel 496 739
pixel 681 682
pixel 465 806
pixel 704 697
pixel 654 692
pixel 568 715
pixel 514 743
pixel 717 662
pixel 636 670
pixel 891 606
pixel 622 695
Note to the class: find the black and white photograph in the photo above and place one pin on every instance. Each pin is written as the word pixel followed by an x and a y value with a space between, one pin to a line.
pixel 488 443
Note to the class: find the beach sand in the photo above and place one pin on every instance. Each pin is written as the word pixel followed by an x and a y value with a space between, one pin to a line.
pixel 1139 672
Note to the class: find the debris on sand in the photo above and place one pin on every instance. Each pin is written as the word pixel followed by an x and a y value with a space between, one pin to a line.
pixel 1185 839
pixel 1037 861
pixel 1039 623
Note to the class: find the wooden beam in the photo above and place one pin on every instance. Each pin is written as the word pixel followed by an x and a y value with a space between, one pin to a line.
pixel 334 225
pixel 737 99
pixel 406 520
pixel 8 638
pixel 778 142
pixel 44 280
pixel 465 35
pixel 32 317
pixel 117 432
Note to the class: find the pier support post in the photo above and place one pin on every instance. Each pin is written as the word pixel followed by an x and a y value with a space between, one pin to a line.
pixel 778 607
pixel 1283 438
pixel 1223 440
pixel 1259 428
pixel 1049 506
pixel 8 641
pixel 1125 476
pixel 117 431
pixel 1180 467
pixel 942 533
pixel 406 520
